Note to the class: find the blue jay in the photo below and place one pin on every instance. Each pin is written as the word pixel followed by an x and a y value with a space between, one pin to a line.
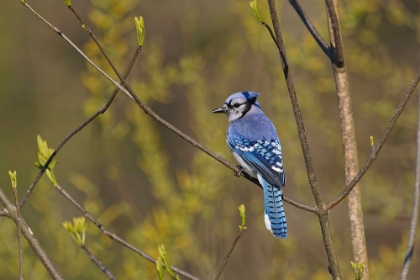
pixel 254 143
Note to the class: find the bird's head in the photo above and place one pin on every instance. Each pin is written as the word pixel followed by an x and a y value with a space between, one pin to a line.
pixel 239 104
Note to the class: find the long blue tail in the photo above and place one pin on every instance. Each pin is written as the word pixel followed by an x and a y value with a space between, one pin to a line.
pixel 274 217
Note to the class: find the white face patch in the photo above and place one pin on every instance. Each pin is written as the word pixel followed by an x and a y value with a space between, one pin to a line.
pixel 237 108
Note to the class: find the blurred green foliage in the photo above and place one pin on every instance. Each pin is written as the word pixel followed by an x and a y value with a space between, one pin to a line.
pixel 151 188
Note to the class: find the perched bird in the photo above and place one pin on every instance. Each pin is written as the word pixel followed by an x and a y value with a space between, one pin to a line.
pixel 254 143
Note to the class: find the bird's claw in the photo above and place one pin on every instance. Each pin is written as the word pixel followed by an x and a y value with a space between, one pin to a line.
pixel 238 173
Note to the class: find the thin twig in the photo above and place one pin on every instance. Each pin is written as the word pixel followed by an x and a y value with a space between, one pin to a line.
pixel 95 39
pixel 15 194
pixel 97 262
pixel 77 130
pixel 62 35
pixel 378 147
pixel 33 242
pixel 229 253
pixel 115 237
pixel 155 116
pixel 415 215
pixel 311 28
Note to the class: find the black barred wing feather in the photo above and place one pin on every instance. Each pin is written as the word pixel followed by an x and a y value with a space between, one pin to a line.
pixel 261 155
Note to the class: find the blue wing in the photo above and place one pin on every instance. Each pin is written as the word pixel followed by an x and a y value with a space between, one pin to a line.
pixel 263 155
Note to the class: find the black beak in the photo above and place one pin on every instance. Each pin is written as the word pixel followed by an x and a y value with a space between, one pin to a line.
pixel 222 109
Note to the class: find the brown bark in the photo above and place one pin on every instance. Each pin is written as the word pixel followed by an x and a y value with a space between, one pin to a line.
pixel 348 135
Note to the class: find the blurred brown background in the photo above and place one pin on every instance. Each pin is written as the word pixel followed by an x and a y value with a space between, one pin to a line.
pixel 150 187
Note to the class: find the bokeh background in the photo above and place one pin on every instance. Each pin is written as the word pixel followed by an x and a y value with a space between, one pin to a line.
pixel 151 187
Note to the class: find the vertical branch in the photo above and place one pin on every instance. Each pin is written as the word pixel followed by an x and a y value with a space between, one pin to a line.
pixel 295 104
pixel 19 234
pixel 348 135
pixel 415 215
pixel 322 212
pixel 29 236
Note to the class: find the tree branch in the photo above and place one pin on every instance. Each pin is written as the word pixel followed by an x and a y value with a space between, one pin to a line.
pixel 4 214
pixel 97 262
pixel 378 147
pixel 311 28
pixel 77 130
pixel 415 215
pixel 348 136
pixel 228 254
pixel 19 234
pixel 33 242
pixel 95 39
pixel 338 50
pixel 115 237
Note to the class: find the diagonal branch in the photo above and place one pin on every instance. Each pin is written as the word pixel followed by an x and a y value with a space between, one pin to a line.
pixel 311 28
pixel 77 130
pixel 115 237
pixel 95 39
pixel 338 50
pixel 378 146
pixel 98 263
pixel 415 215
pixel 228 254
pixel 152 114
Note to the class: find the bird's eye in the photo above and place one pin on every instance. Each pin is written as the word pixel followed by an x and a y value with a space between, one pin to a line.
pixel 236 105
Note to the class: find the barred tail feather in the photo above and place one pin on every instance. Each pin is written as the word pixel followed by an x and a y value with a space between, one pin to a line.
pixel 274 217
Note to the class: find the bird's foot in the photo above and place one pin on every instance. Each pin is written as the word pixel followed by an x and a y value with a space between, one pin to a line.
pixel 238 173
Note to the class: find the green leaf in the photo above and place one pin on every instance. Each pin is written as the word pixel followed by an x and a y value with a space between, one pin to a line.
pixel 12 175
pixel 254 7
pixel 243 216
pixel 164 258
pixel 44 153
pixel 159 268
pixel 67 2
pixel 358 269
pixel 139 23
pixel 77 230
